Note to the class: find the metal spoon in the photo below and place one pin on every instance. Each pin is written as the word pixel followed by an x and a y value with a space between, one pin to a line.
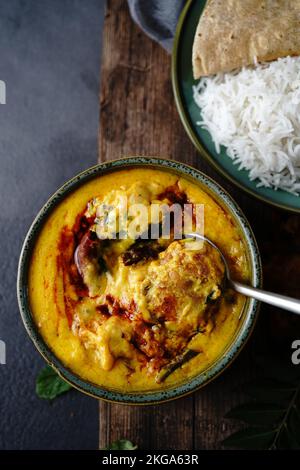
pixel 281 301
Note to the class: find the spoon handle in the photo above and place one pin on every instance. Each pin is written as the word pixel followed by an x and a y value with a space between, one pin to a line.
pixel 281 301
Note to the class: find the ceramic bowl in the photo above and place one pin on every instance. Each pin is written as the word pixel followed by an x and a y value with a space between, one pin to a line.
pixel 248 316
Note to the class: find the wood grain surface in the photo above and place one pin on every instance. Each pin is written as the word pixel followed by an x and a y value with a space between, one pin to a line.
pixel 138 117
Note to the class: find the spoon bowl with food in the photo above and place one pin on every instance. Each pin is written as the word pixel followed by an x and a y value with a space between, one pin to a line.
pixel 281 301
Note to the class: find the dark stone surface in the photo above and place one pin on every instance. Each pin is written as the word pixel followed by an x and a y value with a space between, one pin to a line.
pixel 50 61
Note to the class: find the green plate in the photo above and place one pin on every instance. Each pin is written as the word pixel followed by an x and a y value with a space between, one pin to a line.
pixel 182 77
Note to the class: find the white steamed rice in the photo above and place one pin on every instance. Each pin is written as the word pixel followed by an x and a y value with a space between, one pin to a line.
pixel 255 114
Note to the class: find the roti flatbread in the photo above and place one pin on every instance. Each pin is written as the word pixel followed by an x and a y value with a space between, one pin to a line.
pixel 235 33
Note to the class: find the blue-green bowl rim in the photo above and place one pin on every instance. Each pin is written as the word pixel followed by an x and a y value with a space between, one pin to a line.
pixel 150 397
pixel 185 119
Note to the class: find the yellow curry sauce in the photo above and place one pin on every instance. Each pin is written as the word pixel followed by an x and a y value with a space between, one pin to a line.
pixel 129 314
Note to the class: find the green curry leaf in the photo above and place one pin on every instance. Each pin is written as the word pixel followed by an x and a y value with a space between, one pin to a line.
pixel 258 414
pixel 274 415
pixel 49 385
pixel 250 438
pixel 121 444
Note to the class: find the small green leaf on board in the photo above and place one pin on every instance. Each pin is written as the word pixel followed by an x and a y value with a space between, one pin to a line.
pixel 121 444
pixel 50 385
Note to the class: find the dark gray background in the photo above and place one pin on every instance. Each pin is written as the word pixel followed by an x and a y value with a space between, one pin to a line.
pixel 50 61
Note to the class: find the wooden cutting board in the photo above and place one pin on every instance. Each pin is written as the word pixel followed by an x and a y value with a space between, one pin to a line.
pixel 138 117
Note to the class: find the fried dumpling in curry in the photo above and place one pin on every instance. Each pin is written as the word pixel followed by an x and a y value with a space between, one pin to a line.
pixel 173 303
pixel 145 299
pixel 232 34
pixel 182 283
